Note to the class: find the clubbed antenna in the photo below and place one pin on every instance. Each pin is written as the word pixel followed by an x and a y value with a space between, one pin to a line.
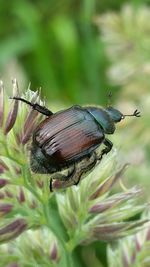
pixel 136 113
pixel 109 98
pixel 35 106
pixel 23 100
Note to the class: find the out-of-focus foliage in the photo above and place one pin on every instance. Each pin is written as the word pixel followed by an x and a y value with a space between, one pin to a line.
pixel 132 251
pixel 56 45
pixel 55 223
pixel 127 43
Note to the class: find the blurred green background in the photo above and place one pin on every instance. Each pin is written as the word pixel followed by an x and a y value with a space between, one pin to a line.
pixel 78 51
pixel 57 46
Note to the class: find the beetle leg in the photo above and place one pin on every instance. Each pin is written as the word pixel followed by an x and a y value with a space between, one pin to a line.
pixel 35 106
pixel 62 177
pixel 74 178
pixel 107 149
pixel 108 145
pixel 51 185
pixel 87 165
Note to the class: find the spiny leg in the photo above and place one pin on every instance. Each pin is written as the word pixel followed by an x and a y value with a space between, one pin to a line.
pixel 62 177
pixel 73 179
pixel 35 106
pixel 107 149
pixel 86 165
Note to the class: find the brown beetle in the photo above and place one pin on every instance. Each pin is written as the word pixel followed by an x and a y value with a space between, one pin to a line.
pixel 69 136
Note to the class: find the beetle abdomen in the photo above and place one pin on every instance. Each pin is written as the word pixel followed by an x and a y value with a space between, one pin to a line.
pixel 68 136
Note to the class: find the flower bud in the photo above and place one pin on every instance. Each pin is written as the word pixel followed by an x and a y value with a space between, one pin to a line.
pixel 2 196
pixel 12 115
pixel 40 183
pixel 33 204
pixel 21 197
pixel 30 122
pixel 3 167
pixel 133 257
pixel 8 194
pixel 108 183
pixel 148 235
pixel 125 259
pixel 54 252
pixel 3 182
pixel 137 244
pixel 5 208
pixel 111 202
pixel 29 130
pixel 1 103
pixel 12 230
pixel 100 207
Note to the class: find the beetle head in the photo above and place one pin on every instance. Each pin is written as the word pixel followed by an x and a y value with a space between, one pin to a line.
pixel 117 116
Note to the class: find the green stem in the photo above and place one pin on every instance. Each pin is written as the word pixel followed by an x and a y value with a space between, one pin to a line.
pixel 52 218
pixel 55 225
pixel 27 178
pixel 8 155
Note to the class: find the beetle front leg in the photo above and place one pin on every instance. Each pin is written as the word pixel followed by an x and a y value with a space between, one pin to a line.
pixel 107 149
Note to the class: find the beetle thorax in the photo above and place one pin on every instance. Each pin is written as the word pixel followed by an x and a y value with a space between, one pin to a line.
pixel 103 119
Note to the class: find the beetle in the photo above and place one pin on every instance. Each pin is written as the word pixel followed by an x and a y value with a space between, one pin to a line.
pixel 70 136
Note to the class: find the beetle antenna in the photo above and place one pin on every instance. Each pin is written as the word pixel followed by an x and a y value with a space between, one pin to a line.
pixel 23 100
pixel 109 95
pixel 136 113
pixel 35 106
